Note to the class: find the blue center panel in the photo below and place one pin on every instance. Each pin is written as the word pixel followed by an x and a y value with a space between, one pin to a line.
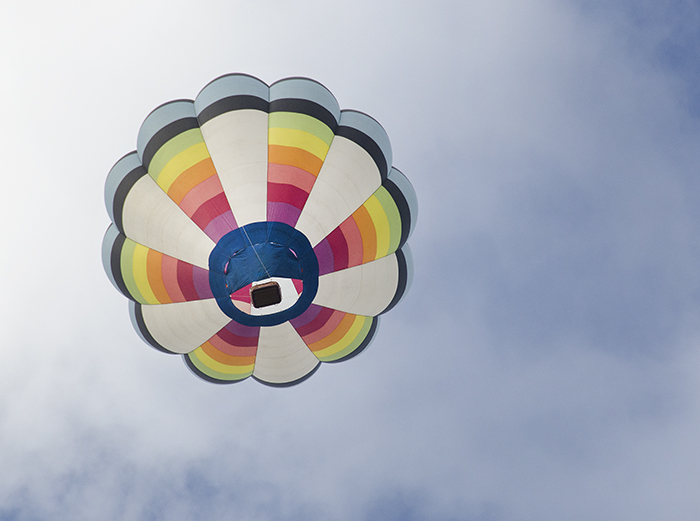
pixel 255 252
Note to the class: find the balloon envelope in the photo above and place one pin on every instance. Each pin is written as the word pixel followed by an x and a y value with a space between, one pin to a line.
pixel 259 230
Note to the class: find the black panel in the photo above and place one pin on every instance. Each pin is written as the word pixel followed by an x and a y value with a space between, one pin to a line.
pixel 368 144
pixel 289 384
pixel 122 191
pixel 304 106
pixel 115 264
pixel 164 135
pixel 237 102
pixel 145 332
pixel 403 280
pixel 402 205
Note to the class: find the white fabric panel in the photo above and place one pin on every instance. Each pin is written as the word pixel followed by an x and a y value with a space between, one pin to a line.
pixel 366 289
pixel 282 356
pixel 237 143
pixel 182 327
pixel 151 218
pixel 347 179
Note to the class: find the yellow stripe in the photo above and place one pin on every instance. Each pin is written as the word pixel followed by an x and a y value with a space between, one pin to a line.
pixel 291 137
pixel 181 162
pixel 208 371
pixel 302 122
pixel 344 342
pixel 392 214
pixel 172 148
pixel 381 225
pixel 126 265
pixel 222 368
pixel 352 346
pixel 141 274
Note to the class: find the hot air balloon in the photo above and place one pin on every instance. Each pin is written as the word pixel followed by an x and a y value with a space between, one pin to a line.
pixel 259 230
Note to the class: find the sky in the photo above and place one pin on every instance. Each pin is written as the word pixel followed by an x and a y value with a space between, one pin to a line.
pixel 545 364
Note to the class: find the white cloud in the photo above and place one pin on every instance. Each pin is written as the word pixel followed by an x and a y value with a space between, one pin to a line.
pixel 543 365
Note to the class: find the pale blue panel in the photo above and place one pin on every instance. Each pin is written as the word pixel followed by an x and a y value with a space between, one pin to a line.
pixel 107 242
pixel 116 175
pixel 409 193
pixel 409 267
pixel 230 85
pixel 160 117
pixel 307 89
pixel 371 127
pixel 134 322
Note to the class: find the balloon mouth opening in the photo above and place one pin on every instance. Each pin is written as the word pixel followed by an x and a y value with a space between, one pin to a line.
pixel 265 294
pixel 246 260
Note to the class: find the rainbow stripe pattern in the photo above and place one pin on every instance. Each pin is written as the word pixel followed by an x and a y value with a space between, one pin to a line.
pixel 250 182
pixel 298 144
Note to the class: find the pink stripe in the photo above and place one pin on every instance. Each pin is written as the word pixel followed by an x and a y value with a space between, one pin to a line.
pixel 327 328
pixel 242 294
pixel 232 350
pixel 290 175
pixel 200 194
pixel 169 271
pixel 353 238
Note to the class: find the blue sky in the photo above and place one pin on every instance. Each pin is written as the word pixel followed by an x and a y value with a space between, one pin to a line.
pixel 545 364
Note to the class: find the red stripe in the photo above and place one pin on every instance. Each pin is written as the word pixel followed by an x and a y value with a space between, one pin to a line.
pixel 317 323
pixel 234 349
pixel 186 281
pixel 210 210
pixel 336 241
pixel 237 340
pixel 290 194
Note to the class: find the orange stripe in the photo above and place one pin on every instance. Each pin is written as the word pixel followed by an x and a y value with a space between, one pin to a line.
pixel 155 276
pixel 326 329
pixel 336 335
pixel 369 234
pixel 225 359
pixel 190 178
pixel 295 157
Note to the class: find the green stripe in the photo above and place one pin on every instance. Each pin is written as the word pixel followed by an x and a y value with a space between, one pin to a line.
pixel 126 264
pixel 205 369
pixel 353 345
pixel 393 215
pixel 172 148
pixel 302 122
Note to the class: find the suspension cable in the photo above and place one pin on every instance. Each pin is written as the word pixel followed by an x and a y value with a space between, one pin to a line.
pixel 256 252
